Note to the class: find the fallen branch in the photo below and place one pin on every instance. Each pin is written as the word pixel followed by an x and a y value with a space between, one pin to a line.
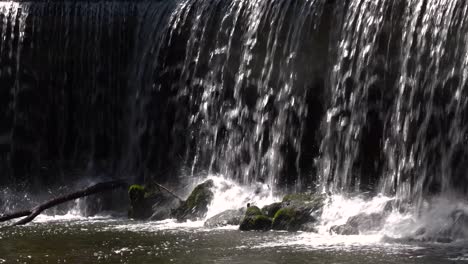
pixel 33 213
pixel 169 191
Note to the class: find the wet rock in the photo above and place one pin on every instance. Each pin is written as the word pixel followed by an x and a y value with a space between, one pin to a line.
pixel 459 229
pixel 309 227
pixel 255 220
pixel 253 211
pixel 367 222
pixel 455 228
pixel 345 230
pixel 256 223
pixel 298 212
pixel 149 202
pixel 360 223
pixel 229 217
pixel 140 207
pixel 292 218
pixel 270 210
pixel 388 208
pixel 312 202
pixel 162 206
pixel 196 205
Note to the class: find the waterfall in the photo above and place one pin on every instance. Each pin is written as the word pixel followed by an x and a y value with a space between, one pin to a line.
pixel 235 82
pixel 356 96
pixel 397 119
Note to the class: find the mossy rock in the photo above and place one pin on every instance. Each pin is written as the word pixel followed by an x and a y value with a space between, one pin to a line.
pixel 256 223
pixel 149 202
pixel 286 219
pixel 292 218
pixel 270 210
pixel 255 220
pixel 136 193
pixel 140 206
pixel 253 211
pixel 196 205
pixel 302 197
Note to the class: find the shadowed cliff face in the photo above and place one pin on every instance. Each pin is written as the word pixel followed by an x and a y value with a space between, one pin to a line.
pixel 350 95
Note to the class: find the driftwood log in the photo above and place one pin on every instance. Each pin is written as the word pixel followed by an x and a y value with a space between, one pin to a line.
pixel 168 191
pixel 34 212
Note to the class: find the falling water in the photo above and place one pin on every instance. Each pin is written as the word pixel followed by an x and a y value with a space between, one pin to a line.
pixel 396 123
pixel 359 96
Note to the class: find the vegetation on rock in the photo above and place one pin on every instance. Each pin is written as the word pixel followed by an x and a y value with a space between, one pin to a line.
pixel 297 212
pixel 270 210
pixel 253 211
pixel 256 223
pixel 196 205
pixel 140 206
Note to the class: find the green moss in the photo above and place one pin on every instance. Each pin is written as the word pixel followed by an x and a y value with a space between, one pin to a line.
pixel 140 208
pixel 253 211
pixel 256 223
pixel 285 213
pixel 201 195
pixel 317 202
pixel 287 219
pixel 196 204
pixel 136 193
pixel 270 210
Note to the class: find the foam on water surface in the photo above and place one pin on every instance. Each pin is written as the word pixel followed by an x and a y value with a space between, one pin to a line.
pixel 338 209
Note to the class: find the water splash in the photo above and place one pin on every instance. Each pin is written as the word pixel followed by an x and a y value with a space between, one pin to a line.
pixel 229 195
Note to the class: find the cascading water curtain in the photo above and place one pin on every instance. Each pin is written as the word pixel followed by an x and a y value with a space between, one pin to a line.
pixel 368 95
pixel 427 141
pixel 397 122
pixel 236 76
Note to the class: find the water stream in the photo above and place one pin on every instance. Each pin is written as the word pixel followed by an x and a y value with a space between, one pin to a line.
pixel 362 100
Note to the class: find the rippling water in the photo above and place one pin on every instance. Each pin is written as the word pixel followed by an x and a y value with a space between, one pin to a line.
pixel 73 239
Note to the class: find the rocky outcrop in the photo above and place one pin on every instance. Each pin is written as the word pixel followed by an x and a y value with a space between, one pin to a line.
pixel 256 223
pixel 196 205
pixel 454 228
pixel 140 206
pixel 150 202
pixel 229 217
pixel 255 220
pixel 270 210
pixel 296 212
pixel 360 223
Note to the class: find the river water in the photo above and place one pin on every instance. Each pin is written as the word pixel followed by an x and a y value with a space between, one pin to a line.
pixel 73 239
pixel 112 238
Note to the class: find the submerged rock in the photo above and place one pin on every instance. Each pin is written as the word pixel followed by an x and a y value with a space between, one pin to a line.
pixel 360 223
pixel 454 228
pixel 196 205
pixel 229 217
